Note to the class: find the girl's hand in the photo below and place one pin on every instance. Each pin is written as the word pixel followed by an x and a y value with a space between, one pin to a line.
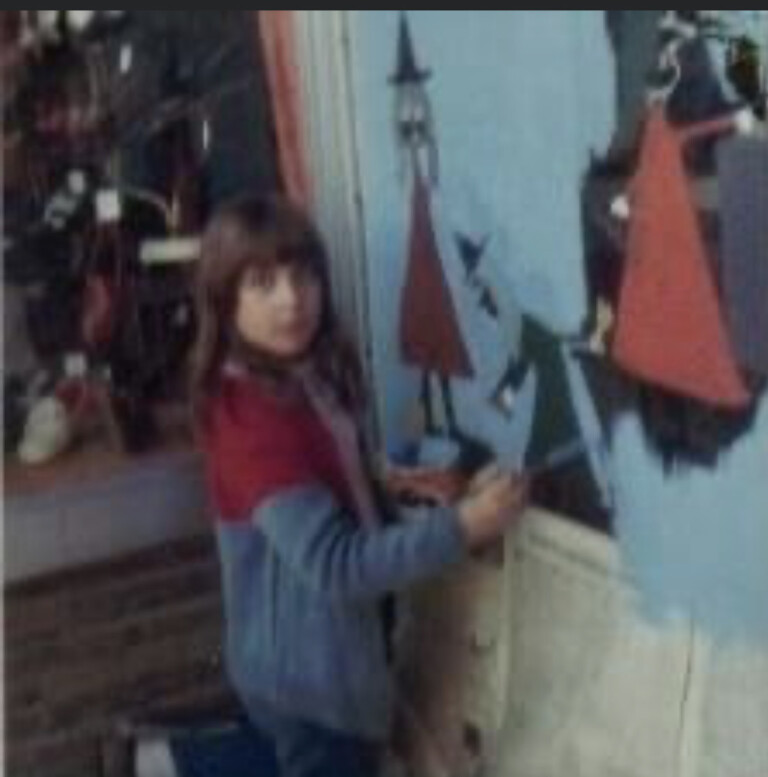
pixel 493 502
pixel 439 486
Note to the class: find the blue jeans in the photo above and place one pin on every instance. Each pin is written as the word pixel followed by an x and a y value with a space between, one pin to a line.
pixel 304 749
pixel 278 746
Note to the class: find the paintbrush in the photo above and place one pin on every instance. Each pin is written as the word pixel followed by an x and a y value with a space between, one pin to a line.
pixel 561 455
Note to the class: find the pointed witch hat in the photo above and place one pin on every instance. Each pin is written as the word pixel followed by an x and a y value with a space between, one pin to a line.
pixel 406 69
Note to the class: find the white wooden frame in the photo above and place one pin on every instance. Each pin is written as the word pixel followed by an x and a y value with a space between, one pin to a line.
pixel 328 108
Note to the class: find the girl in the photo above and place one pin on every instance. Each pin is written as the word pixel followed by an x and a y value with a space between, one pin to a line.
pixel 306 555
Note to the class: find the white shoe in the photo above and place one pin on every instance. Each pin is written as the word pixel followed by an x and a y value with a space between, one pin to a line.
pixel 47 432
pixel 154 758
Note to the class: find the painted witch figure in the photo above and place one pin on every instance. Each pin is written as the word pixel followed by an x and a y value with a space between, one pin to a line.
pixel 438 347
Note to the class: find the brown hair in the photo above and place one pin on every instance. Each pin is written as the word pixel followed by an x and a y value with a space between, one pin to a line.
pixel 249 231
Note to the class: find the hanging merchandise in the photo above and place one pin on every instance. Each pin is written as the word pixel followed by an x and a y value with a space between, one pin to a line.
pixel 669 329
pixel 662 57
pixel 667 268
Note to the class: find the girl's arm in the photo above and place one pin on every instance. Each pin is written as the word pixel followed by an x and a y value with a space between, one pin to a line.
pixel 336 555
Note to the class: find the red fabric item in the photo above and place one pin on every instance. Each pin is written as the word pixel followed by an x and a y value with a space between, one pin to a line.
pixel 258 444
pixel 670 329
pixel 430 337
pixel 98 318
pixel 277 33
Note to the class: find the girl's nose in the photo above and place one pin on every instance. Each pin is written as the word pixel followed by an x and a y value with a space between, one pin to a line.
pixel 288 290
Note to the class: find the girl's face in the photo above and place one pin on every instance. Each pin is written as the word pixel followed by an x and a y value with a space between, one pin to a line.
pixel 278 308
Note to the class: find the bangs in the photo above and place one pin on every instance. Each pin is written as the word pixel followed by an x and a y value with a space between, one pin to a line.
pixel 304 250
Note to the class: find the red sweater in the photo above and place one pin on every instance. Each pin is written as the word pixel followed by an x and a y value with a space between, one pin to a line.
pixel 258 443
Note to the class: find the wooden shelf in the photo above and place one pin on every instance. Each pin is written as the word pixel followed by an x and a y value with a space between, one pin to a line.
pixel 94 459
